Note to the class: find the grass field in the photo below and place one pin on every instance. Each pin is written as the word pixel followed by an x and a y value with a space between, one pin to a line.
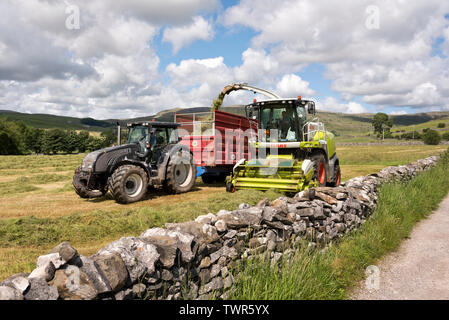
pixel 40 209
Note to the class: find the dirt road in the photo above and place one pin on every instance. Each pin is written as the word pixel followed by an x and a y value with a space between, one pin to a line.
pixel 420 268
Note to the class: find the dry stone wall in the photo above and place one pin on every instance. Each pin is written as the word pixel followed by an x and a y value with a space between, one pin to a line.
pixel 194 259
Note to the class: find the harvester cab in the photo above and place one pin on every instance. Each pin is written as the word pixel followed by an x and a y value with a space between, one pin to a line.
pixel 292 152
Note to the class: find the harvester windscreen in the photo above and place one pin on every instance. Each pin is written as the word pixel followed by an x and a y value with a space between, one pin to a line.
pixel 280 120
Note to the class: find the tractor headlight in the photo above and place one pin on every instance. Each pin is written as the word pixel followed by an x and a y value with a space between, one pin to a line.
pixel 89 160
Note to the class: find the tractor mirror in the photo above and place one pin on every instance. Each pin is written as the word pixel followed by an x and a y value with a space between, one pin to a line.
pixel 311 107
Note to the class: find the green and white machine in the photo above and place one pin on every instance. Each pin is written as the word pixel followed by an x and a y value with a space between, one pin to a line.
pixel 293 153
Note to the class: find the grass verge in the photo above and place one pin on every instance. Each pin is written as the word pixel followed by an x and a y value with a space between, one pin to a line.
pixel 332 275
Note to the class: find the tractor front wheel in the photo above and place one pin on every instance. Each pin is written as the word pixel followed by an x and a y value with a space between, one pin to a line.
pixel 128 184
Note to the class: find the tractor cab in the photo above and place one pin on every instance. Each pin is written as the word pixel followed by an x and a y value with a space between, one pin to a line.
pixel 152 137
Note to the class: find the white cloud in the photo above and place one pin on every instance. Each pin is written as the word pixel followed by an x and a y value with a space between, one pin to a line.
pixel 183 36
pixel 157 12
pixel 194 72
pixel 259 66
pixel 292 86
pixel 398 113
pixel 390 62
pixel 107 68
pixel 331 104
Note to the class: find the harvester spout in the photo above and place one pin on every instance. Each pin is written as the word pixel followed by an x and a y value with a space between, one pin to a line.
pixel 216 104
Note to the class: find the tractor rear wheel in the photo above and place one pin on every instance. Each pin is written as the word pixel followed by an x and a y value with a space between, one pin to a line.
pixel 319 164
pixel 128 184
pixel 181 173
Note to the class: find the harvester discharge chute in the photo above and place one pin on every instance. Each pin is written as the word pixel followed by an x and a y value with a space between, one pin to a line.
pixel 293 154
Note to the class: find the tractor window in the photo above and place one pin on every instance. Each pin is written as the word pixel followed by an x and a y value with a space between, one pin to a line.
pixel 172 135
pixel 266 117
pixel 282 119
pixel 161 137
pixel 137 134
pixel 301 114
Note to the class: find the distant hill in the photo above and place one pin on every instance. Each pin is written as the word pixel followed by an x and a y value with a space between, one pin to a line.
pixel 47 121
pixel 340 123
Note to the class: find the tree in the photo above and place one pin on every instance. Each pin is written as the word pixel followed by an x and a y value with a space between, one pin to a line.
pixel 109 137
pixel 71 143
pixel 431 137
pixel 445 136
pixel 11 138
pixel 94 144
pixel 382 124
pixel 83 139
pixel 33 139
pixel 54 141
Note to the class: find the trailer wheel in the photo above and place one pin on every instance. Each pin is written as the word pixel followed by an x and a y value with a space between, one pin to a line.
pixel 319 164
pixel 181 173
pixel 128 184
pixel 221 178
pixel 207 179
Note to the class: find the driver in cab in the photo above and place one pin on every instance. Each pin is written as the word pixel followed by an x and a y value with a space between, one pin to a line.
pixel 285 124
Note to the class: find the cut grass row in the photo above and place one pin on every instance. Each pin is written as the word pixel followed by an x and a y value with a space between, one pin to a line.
pixel 333 275
pixel 28 183
pixel 28 233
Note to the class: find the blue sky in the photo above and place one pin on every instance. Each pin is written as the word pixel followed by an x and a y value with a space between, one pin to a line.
pixel 133 58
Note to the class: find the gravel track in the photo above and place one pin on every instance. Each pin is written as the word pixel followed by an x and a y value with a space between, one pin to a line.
pixel 419 269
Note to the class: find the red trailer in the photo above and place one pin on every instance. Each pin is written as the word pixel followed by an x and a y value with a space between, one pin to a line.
pixel 218 141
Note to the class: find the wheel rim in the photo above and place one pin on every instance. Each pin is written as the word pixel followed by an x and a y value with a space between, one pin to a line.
pixel 133 185
pixel 321 174
pixel 183 174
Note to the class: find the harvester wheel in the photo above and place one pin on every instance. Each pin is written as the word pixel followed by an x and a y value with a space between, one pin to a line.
pixel 128 184
pixel 319 164
pixel 181 173
pixel 230 187
pixel 337 179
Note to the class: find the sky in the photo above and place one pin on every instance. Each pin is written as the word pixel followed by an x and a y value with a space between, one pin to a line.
pixel 130 58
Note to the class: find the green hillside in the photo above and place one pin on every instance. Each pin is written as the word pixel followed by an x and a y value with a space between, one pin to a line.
pixel 345 126
pixel 432 124
pixel 47 121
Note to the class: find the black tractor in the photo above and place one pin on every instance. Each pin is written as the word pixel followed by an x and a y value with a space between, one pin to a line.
pixel 152 157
